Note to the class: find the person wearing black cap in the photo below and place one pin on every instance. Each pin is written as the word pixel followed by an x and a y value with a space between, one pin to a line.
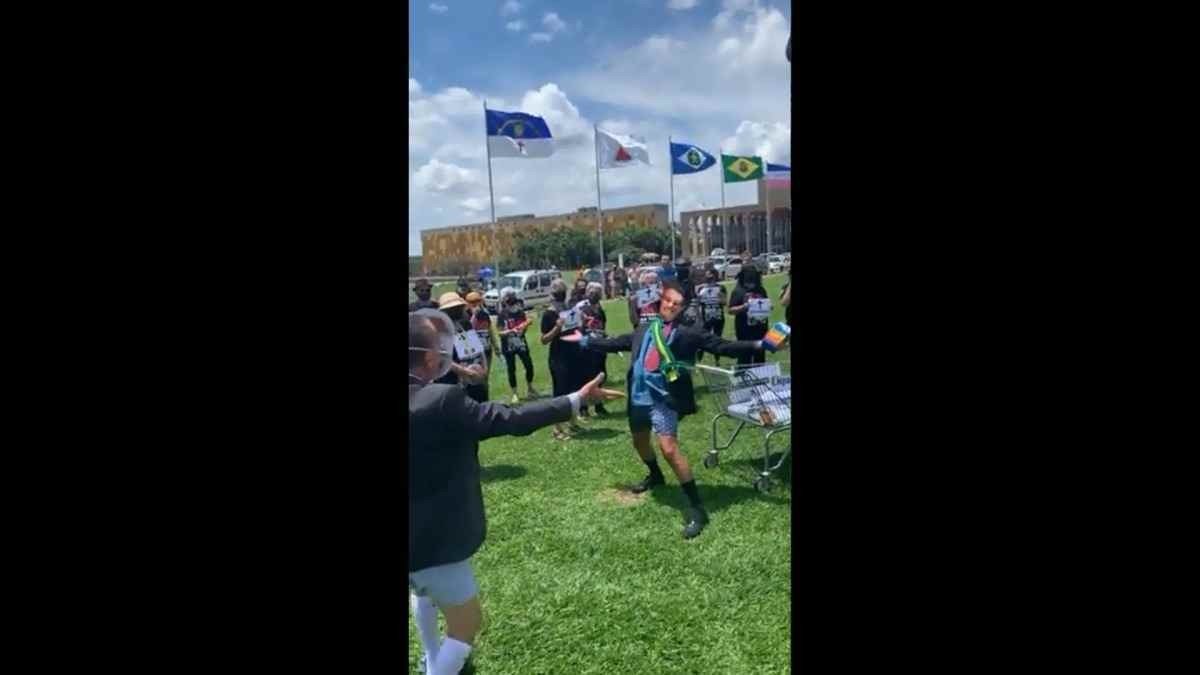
pixel 423 289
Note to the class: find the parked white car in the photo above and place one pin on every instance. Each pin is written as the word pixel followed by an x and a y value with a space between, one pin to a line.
pixel 731 268
pixel 778 263
pixel 533 288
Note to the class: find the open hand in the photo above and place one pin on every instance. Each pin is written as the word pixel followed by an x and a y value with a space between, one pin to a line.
pixel 592 393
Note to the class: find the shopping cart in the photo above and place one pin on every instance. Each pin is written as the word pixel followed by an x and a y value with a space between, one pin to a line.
pixel 759 395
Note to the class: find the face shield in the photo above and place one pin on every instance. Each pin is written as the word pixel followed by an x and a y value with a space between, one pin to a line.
pixel 444 342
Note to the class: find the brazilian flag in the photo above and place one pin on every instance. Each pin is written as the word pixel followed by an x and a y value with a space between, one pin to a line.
pixel 738 169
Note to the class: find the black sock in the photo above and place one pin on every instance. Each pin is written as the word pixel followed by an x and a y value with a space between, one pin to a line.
pixel 655 472
pixel 689 489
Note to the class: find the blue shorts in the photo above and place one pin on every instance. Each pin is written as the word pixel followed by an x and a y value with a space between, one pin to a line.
pixel 663 420
pixel 448 585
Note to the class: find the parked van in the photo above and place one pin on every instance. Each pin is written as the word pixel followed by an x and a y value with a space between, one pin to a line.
pixel 533 288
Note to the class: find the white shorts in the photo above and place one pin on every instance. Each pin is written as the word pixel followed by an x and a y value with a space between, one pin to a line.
pixel 448 585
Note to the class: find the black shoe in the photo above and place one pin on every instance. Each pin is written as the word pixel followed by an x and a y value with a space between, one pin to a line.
pixel 694 521
pixel 647 483
pixel 601 412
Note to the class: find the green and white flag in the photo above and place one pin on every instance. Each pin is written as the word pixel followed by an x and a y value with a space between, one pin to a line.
pixel 738 169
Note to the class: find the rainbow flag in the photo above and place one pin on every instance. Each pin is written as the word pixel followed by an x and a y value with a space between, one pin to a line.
pixel 778 335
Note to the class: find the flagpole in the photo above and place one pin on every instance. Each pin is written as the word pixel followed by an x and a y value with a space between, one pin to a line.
pixel 767 194
pixel 724 225
pixel 599 212
pixel 492 199
pixel 671 211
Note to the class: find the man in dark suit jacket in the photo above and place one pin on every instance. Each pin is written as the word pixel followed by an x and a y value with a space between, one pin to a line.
pixel 446 522
pixel 660 393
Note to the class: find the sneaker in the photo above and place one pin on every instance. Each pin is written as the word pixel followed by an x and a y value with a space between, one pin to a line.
pixel 515 400
pixel 532 393
pixel 647 483
pixel 601 412
pixel 694 521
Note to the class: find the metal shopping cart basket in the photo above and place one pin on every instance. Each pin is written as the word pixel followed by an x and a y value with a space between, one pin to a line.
pixel 759 395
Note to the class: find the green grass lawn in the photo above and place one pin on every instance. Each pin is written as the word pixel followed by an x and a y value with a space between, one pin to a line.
pixel 578 575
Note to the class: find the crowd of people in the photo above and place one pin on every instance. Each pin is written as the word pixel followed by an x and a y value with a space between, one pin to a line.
pixel 678 314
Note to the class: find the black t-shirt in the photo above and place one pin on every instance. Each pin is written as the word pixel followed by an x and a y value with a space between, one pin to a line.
pixel 481 323
pixel 594 319
pixel 560 352
pixel 742 328
pixel 712 315
pixel 509 319
pixel 463 325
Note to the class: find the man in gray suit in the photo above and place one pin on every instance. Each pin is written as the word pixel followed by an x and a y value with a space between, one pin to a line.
pixel 446 522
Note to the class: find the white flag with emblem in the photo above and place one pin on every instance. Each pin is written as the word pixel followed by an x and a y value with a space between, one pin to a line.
pixel 618 150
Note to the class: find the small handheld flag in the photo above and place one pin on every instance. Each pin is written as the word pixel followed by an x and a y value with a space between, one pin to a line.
pixel 778 335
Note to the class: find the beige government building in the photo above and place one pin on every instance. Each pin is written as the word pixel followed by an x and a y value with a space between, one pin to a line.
pixel 478 244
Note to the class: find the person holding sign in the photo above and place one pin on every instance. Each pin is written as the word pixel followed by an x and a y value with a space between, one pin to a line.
pixel 469 366
pixel 659 388
pixel 643 305
pixel 558 320
pixel 751 307
pixel 513 324
pixel 481 323
pixel 712 308
pixel 594 323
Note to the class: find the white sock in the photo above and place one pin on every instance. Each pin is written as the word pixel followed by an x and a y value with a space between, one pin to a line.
pixel 451 657
pixel 425 615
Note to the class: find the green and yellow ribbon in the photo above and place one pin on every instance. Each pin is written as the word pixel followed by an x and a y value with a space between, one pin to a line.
pixel 669 366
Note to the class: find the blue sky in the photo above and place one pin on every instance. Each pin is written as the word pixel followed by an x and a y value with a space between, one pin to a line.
pixel 711 72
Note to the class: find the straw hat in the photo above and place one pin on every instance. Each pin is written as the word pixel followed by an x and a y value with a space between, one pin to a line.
pixel 450 300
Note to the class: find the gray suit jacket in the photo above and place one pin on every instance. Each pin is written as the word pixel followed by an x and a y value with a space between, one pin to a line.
pixel 446 520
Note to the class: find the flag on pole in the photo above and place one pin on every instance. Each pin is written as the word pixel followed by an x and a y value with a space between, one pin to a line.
pixel 778 175
pixel 738 168
pixel 687 158
pixel 518 134
pixel 614 151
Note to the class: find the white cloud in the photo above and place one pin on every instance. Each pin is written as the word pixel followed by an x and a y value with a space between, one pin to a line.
pixel 540 37
pixel 553 23
pixel 506 201
pixel 440 9
pixel 510 7
pixel 516 26
pixel 732 70
pixel 772 141
pixel 474 204
pixel 442 177
pixel 414 88
pixel 681 4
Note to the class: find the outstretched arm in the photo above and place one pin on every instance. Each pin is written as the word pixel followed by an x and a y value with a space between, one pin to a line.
pixel 715 345
pixel 486 420
pixel 621 343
